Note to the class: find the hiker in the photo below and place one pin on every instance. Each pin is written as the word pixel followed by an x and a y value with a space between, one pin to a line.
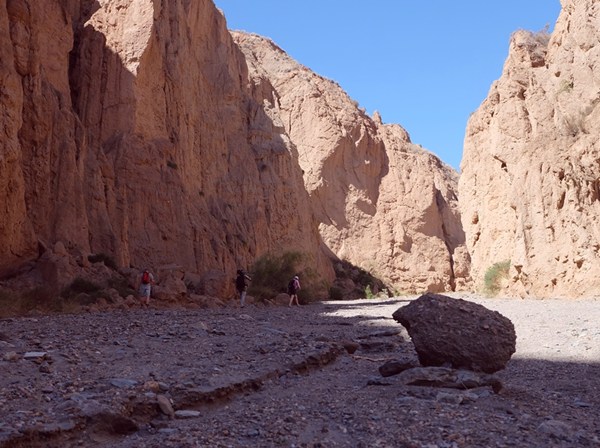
pixel 146 280
pixel 241 284
pixel 293 287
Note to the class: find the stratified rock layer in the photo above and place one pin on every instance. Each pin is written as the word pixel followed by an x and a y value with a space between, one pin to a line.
pixel 529 188
pixel 382 203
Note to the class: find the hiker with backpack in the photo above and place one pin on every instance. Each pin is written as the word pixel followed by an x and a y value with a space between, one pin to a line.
pixel 241 284
pixel 146 280
pixel 293 287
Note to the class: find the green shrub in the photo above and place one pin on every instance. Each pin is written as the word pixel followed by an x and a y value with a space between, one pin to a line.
pixel 39 298
pixel 103 258
pixel 271 274
pixel 335 293
pixel 122 285
pixel 9 303
pixel 81 285
pixel 82 292
pixel 369 292
pixel 494 276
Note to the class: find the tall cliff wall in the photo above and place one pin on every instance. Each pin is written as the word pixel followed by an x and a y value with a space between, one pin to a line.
pixel 382 203
pixel 128 129
pixel 530 178
pixel 139 129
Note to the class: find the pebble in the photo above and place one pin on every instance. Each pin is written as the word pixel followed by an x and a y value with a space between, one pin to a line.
pixel 183 413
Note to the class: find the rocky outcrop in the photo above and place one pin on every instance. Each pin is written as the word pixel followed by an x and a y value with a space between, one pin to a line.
pixel 382 203
pixel 529 186
pixel 127 129
pixel 464 334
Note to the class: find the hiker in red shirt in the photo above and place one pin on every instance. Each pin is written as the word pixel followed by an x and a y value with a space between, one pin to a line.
pixel 146 281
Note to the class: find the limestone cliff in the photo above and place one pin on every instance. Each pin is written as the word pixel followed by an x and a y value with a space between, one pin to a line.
pixel 530 178
pixel 127 129
pixel 382 203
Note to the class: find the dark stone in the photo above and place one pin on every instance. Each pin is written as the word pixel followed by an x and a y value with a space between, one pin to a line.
pixel 448 378
pixel 350 346
pixel 395 366
pixel 465 335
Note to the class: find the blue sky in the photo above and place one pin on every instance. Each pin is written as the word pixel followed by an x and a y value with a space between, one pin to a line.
pixel 426 65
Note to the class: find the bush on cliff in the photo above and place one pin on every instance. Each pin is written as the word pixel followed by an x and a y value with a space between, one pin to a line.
pixel 492 281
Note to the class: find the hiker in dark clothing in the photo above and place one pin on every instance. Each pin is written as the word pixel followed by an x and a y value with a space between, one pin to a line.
pixel 241 284
pixel 293 287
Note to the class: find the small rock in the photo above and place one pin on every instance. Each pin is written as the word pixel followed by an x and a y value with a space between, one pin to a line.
pixel 582 404
pixel 153 386
pixel 183 413
pixel 556 428
pixel 253 433
pixel 350 346
pixel 11 356
pixel 123 383
pixel 165 406
pixel 395 367
pixel 34 355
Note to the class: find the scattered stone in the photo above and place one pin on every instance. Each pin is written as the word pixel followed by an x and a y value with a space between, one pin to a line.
pixel 11 357
pixel 395 367
pixel 557 429
pixel 123 383
pixel 582 404
pixel 378 382
pixel 183 413
pixel 45 368
pixel 350 346
pixel 449 378
pixel 165 405
pixel 34 355
pixel 153 386
pixel 464 334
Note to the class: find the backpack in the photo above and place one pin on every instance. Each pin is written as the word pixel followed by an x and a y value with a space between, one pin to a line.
pixel 146 278
pixel 292 286
pixel 240 282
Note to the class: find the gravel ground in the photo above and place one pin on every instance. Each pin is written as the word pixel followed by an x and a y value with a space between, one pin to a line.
pixel 280 377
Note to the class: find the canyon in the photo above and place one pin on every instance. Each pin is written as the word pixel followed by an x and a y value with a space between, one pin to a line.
pixel 149 133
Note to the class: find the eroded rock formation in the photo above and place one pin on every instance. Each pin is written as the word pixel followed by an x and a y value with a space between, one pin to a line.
pixel 529 186
pixel 127 129
pixel 134 129
pixel 382 203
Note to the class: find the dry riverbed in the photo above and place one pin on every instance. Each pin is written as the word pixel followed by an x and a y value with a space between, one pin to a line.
pixel 281 377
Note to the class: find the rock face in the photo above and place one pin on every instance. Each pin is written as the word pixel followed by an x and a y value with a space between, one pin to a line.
pixel 529 186
pixel 464 334
pixel 135 129
pixel 382 203
pixel 127 129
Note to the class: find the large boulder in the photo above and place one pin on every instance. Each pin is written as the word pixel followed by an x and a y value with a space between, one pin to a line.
pixel 462 334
